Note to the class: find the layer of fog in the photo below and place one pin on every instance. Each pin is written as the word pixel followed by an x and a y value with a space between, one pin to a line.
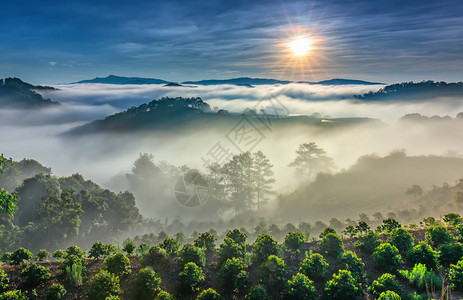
pixel 35 134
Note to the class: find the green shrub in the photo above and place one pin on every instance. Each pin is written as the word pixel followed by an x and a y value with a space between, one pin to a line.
pixel 422 254
pixel 14 295
pixel 263 247
pixel 117 263
pixel 331 244
pixel 170 245
pixel 237 236
pixel 456 276
pixel 450 253
pixel 230 249
pixel 421 278
pixel 389 295
pixel 4 280
pixel 74 250
pixel 326 231
pixel 272 274
pixel 233 274
pixel 300 287
pixel 55 292
pixel 163 295
pixel 191 253
pixel 402 239
pixel 99 250
pixel 315 266
pixel 75 273
pixel 368 242
pixel 102 285
pixel 147 284
pixel 209 294
pixel 42 255
pixel 452 219
pixel 35 274
pixel 438 235
pixel 142 249
pixel 387 257
pixel 20 256
pixel 154 255
pixel 112 297
pixel 59 254
pixel 258 292
pixel 5 258
pixel 348 260
pixel 343 286
pixel 294 241
pixel 388 225
pixel 205 241
pixel 190 277
pixel 129 247
pixel 387 282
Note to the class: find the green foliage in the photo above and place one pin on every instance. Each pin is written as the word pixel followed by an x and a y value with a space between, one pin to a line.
pixel 368 242
pixel 387 282
pixel 258 292
pixel 362 227
pixel 59 254
pixel 327 231
pixel 155 255
pixel 233 274
pixel 147 284
pixel 456 275
pixel 14 295
pixel 301 287
pixel 75 273
pixel 294 241
pixel 331 244
pixel 74 250
pixel 55 292
pixel 102 285
pixel 438 235
pixel 389 225
pixel 209 294
pixel 387 257
pixel 348 260
pixel 42 255
pixel 35 274
pixel 343 286
pixel 99 250
pixel 129 247
pixel 230 249
pixel 450 253
pixel 20 256
pixel 5 258
pixel 272 274
pixel 205 241
pixel 389 295
pixel 402 239
pixel 452 219
pixel 170 245
pixel 422 254
pixel 190 277
pixel 8 202
pixel 4 280
pixel 142 249
pixel 421 278
pixel 237 236
pixel 163 295
pixel 117 263
pixel 315 266
pixel 191 253
pixel 263 247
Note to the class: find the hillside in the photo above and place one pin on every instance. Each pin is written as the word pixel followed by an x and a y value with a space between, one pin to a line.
pixel 113 79
pixel 414 91
pixel 15 93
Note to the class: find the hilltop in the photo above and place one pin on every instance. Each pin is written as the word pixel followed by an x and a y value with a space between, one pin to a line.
pixel 15 93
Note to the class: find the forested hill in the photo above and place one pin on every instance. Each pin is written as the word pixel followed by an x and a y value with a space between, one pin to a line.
pixel 15 93
pixel 414 91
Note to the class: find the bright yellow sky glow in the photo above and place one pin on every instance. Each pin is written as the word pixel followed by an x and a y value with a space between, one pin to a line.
pixel 300 46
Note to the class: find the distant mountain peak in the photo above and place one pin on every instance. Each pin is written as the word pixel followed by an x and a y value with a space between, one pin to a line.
pixel 121 80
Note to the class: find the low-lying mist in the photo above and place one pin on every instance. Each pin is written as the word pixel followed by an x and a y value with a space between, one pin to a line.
pixel 107 158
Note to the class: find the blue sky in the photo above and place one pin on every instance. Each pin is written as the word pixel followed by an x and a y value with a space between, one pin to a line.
pixel 389 41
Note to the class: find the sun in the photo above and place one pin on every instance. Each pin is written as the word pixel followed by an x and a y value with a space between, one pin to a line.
pixel 300 46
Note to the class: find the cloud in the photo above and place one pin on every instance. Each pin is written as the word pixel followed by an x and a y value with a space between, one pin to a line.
pixel 52 63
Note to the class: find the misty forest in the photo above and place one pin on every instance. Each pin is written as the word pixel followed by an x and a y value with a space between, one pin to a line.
pixel 212 150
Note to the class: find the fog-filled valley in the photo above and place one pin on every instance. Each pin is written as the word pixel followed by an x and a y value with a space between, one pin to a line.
pixel 355 156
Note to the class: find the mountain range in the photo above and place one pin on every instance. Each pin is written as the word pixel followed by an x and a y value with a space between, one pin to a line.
pixel 246 81
pixel 15 93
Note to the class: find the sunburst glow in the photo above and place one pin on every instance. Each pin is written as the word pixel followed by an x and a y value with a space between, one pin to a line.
pixel 300 46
